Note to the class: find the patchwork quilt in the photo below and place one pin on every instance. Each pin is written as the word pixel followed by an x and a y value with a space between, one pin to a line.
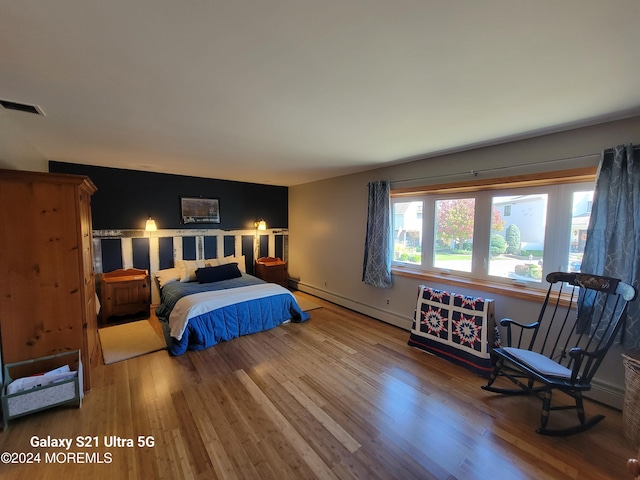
pixel 456 327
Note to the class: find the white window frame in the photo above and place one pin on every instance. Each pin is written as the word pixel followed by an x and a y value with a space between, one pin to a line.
pixel 557 233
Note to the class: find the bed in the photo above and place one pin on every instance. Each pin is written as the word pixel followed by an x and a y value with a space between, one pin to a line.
pixel 196 315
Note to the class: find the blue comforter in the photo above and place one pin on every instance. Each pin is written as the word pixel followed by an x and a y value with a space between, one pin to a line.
pixel 228 322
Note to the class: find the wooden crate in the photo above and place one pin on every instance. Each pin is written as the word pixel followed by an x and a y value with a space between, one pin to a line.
pixel 68 391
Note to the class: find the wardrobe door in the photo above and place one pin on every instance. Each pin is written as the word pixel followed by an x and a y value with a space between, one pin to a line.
pixel 40 291
pixel 47 286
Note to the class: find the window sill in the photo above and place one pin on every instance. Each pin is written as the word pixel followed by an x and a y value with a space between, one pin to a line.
pixel 521 292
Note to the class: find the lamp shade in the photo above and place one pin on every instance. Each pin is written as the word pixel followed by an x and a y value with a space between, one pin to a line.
pixel 260 225
pixel 150 226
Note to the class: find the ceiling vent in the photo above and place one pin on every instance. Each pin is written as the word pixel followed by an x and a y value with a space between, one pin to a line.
pixel 21 107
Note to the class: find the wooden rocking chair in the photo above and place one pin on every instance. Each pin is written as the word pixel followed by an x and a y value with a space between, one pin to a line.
pixel 563 349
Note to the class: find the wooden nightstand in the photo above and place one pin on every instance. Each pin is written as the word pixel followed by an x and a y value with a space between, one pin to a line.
pixel 273 270
pixel 125 292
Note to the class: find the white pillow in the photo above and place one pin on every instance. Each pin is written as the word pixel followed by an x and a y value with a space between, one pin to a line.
pixel 188 269
pixel 167 275
pixel 212 262
pixel 240 260
pixel 225 260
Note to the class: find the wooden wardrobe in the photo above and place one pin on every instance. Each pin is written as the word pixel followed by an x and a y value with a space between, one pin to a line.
pixel 47 283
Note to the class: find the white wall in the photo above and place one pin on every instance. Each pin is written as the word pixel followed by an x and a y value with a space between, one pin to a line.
pixel 327 223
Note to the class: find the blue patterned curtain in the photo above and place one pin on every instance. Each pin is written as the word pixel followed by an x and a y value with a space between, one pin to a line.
pixel 613 237
pixel 377 247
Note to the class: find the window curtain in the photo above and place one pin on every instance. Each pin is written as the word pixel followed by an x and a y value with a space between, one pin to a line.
pixel 377 247
pixel 613 237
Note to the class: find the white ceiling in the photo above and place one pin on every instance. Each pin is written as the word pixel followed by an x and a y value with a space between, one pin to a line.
pixel 290 91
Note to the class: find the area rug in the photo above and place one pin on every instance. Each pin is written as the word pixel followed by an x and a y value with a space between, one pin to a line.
pixel 129 340
pixel 305 304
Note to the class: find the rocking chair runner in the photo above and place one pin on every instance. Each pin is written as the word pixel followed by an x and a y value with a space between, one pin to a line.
pixel 563 349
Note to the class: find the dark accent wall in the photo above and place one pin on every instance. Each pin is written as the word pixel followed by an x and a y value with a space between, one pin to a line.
pixel 111 254
pixel 280 246
pixel 263 243
pixel 140 247
pixel 189 248
pixel 126 198
pixel 165 247
pixel 229 246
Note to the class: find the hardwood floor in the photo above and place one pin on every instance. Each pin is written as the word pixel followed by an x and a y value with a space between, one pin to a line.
pixel 340 396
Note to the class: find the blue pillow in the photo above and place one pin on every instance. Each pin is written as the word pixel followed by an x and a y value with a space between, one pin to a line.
pixel 219 273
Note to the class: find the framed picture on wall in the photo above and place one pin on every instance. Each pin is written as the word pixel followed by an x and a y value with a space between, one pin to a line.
pixel 199 210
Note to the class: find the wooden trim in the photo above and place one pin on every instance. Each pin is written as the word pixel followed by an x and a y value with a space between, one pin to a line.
pixel 577 175
pixel 521 292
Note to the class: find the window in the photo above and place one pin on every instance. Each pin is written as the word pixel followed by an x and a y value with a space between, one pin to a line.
pixel 503 233
pixel 580 215
pixel 453 234
pixel 407 232
pixel 517 244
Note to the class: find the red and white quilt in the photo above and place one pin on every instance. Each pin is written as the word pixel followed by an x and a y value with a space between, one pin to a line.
pixel 456 327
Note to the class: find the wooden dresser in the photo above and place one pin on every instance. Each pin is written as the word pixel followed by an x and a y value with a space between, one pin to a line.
pixel 273 270
pixel 47 285
pixel 125 292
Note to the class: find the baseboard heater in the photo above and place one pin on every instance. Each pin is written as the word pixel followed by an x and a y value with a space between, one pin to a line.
pixel 456 327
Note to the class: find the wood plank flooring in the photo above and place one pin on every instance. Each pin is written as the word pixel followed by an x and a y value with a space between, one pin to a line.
pixel 340 396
